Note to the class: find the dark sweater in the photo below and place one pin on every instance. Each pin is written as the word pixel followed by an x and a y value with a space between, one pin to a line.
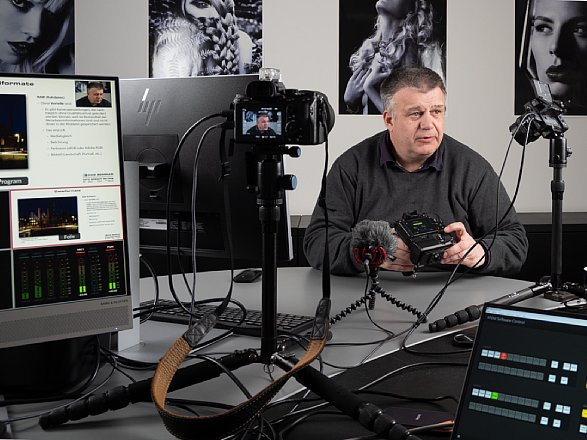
pixel 361 185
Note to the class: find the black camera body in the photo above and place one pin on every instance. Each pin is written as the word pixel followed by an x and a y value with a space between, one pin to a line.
pixel 295 116
pixel 424 236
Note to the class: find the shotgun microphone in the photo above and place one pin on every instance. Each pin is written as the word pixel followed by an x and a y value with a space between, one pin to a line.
pixel 367 414
pixel 122 396
pixel 372 242
pixel 473 312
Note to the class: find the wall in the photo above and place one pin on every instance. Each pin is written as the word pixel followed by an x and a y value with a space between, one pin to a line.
pixel 301 38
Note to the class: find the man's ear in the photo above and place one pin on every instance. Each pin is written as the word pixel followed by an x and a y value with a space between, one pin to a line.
pixel 387 119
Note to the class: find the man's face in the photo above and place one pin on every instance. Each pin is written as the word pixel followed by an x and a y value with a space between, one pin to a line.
pixel 263 123
pixel 95 96
pixel 416 125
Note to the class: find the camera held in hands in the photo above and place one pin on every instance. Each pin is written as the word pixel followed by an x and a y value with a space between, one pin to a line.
pixel 424 236
pixel 270 114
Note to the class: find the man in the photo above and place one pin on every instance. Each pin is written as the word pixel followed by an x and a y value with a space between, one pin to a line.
pixel 262 128
pixel 94 97
pixel 414 166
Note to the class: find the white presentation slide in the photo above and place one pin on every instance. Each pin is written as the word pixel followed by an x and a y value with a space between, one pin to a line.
pixel 64 216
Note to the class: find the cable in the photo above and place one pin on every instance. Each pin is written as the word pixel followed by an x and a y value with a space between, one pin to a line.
pixel 151 270
pixel 326 286
pixel 296 422
pixel 226 371
pixel 131 364
pixel 411 398
pixel 168 201
pixel 442 427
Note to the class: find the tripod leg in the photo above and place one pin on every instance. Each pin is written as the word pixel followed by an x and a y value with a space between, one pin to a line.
pixel 371 296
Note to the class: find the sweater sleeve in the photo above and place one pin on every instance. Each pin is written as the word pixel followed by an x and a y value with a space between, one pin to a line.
pixel 507 249
pixel 340 202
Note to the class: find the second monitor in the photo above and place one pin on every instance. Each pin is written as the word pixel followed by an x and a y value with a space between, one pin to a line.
pixel 155 115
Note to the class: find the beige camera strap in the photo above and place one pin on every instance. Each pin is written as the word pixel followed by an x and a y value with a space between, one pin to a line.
pixel 227 423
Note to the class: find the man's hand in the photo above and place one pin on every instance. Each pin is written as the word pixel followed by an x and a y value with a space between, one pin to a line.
pixel 402 262
pixel 453 255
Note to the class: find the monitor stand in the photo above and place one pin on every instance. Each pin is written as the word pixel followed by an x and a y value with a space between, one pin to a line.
pixel 48 368
pixel 5 429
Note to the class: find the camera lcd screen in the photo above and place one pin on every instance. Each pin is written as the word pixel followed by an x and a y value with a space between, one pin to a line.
pixel 420 226
pixel 260 123
pixel 542 90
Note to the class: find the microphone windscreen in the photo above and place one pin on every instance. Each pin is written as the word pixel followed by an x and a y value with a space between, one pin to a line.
pixel 373 233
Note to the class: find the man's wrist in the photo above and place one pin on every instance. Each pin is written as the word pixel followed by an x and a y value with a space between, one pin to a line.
pixel 483 261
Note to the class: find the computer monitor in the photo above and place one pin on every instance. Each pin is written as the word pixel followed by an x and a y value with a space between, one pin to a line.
pixel 156 112
pixel 63 250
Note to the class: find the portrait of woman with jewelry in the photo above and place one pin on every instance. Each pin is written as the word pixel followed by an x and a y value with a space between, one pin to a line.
pixel 36 36
pixel 199 37
pixel 406 33
pixel 555 51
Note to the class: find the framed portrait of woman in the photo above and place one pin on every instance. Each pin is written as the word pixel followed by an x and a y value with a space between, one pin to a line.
pixel 376 36
pixel 551 46
pixel 37 37
pixel 204 37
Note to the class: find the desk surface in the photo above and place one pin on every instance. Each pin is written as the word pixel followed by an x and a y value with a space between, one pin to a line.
pixel 299 290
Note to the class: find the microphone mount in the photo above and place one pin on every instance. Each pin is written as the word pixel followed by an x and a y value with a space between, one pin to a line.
pixel 370 256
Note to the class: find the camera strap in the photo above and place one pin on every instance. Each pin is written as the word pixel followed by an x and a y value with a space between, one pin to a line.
pixel 227 423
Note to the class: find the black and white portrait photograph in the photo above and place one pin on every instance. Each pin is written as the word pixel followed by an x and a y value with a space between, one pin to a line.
pixel 37 36
pixel 551 46
pixel 204 37
pixel 376 36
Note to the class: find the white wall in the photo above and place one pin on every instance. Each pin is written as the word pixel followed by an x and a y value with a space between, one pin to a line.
pixel 301 38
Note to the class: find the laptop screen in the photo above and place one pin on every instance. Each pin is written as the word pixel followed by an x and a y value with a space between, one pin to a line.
pixel 527 377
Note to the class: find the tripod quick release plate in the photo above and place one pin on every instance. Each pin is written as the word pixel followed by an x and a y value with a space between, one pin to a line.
pixel 424 236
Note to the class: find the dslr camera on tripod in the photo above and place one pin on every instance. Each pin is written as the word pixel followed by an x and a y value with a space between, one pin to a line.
pixel 270 114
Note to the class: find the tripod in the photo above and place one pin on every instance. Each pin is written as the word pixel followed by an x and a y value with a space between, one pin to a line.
pixel 375 289
pixel 270 186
